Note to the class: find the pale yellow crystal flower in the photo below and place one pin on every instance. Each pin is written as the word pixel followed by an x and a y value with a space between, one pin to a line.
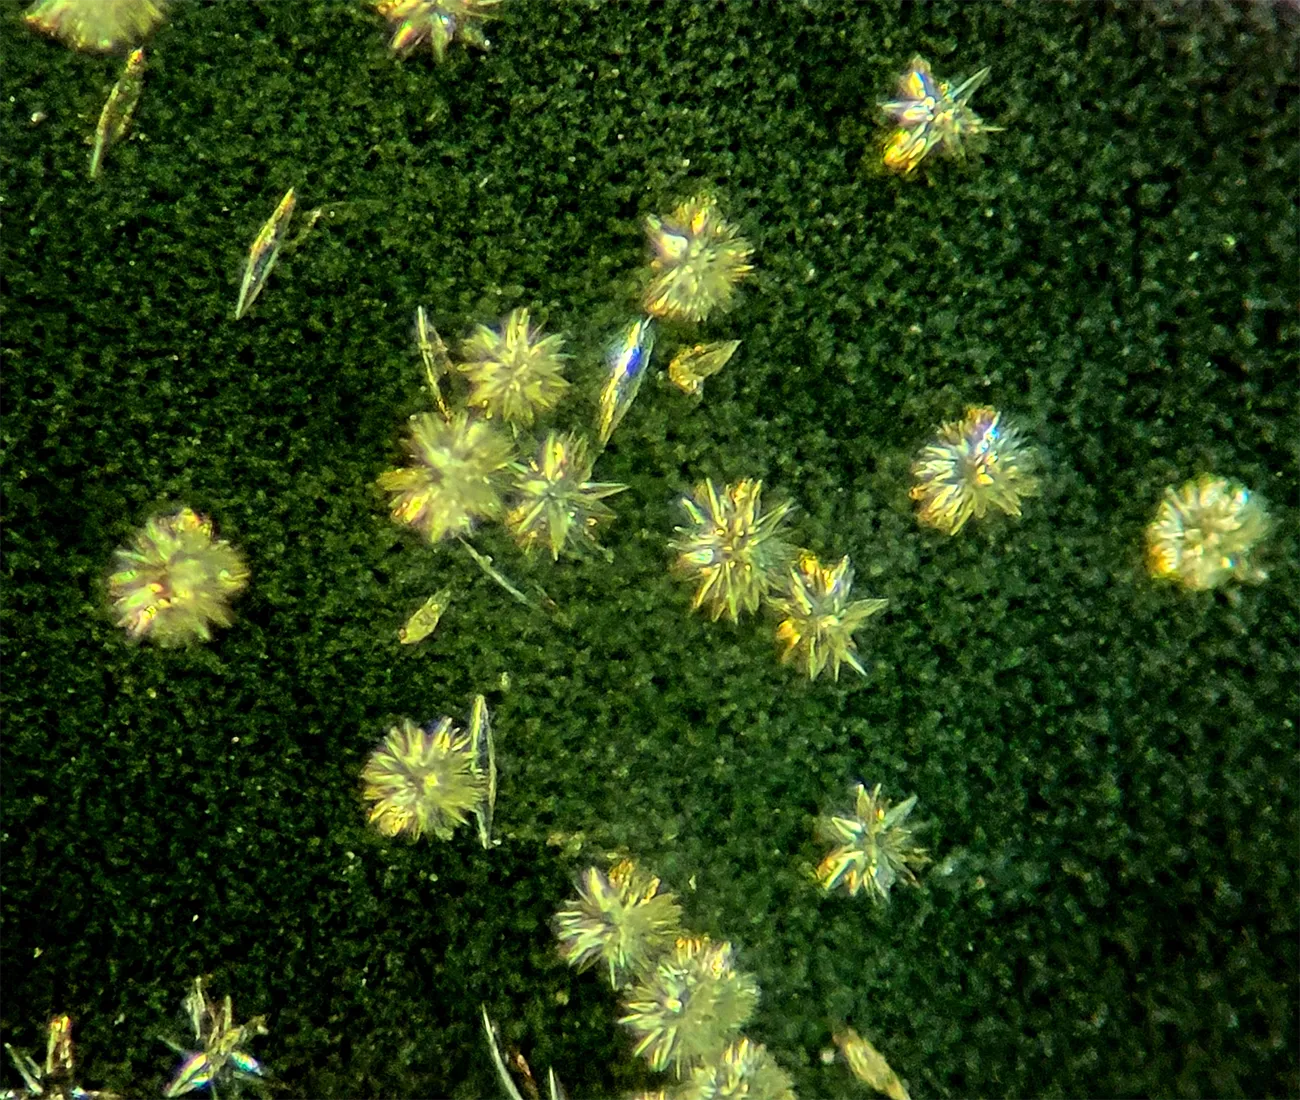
pixel 102 25
pixel 732 547
pixel 176 580
pixel 876 846
pixel 697 258
pixel 423 780
pixel 1204 533
pixel 453 478
pixel 975 464
pixel 818 618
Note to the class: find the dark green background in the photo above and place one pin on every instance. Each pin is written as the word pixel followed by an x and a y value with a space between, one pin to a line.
pixel 1108 767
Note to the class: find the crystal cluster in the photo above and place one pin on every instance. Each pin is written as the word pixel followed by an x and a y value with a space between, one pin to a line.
pixel 437 22
pixel 102 25
pixel 697 257
pixel 974 465
pixel 731 547
pixel 422 780
pixel 454 477
pixel 931 115
pixel 620 920
pixel 875 846
pixel 684 999
pixel 1205 532
pixel 818 618
pixel 175 581
pixel 557 505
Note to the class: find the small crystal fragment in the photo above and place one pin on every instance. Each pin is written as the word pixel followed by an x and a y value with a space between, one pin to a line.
pixel 425 619
pixel 118 109
pixel 434 356
pixel 627 360
pixel 264 253
pixel 869 1065
pixel 691 366
pixel 485 763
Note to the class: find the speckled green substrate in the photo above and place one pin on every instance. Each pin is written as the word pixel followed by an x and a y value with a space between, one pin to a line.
pixel 1108 767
